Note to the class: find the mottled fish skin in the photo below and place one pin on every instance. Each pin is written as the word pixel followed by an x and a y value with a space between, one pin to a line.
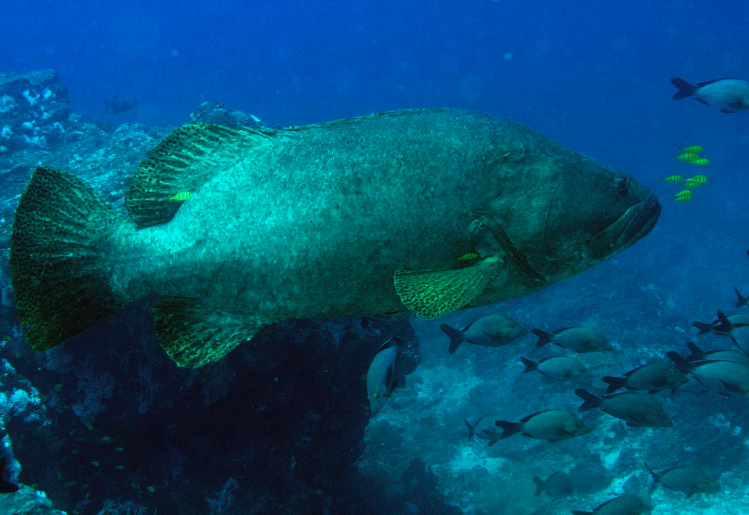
pixel 317 221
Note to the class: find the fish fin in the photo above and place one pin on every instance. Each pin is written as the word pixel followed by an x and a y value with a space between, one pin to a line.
pixel 194 335
pixel 681 364
pixel 543 337
pixel 697 353
pixel 509 428
pixel 540 485
pixel 59 272
pixel 703 327
pixel 184 161
pixel 656 477
pixel 455 335
pixel 471 431
pixel 590 401
pixel 726 111
pixel 702 101
pixel 731 387
pixel 725 325
pixel 614 383
pixel 708 82
pixel 741 300
pixel 530 366
pixel 433 293
pixel 492 442
pixel 685 89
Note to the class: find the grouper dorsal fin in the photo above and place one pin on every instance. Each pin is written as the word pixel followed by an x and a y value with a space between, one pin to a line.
pixel 184 161
pixel 434 293
pixel 194 335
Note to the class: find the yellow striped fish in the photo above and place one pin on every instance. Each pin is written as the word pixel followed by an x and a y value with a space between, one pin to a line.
pixel 692 149
pixel 181 196
pixel 688 157
pixel 702 161
pixel 468 256
pixel 673 178
pixel 683 196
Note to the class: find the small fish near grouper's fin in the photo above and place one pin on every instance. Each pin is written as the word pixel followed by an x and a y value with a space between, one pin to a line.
pixel 434 293
pixel 58 271
pixel 455 335
pixel 194 335
pixel 183 161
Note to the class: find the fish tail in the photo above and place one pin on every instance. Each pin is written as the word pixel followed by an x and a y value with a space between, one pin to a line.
pixel 685 89
pixel 697 353
pixel 656 477
pixel 614 383
pixel 543 337
pixel 590 401
pixel 725 325
pixel 59 273
pixel 741 301
pixel 682 364
pixel 471 430
pixel 456 337
pixel 530 366
pixel 540 485
pixel 703 327
pixel 509 428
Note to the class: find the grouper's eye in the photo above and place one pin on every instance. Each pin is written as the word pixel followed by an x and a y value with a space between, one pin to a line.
pixel 621 184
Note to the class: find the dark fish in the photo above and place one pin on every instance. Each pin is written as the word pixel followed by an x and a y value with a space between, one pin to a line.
pixel 6 487
pixel 688 480
pixel 717 326
pixel 728 95
pixel 716 355
pixel 652 378
pixel 636 409
pixel 578 339
pixel 556 486
pixel 366 239
pixel 489 331
pixel 741 300
pixel 556 367
pixel 551 425
pixel 485 429
pixel 622 505
pixel 720 375
pixel 117 106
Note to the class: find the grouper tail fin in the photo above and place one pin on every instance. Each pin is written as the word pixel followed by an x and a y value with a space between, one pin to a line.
pixel 59 273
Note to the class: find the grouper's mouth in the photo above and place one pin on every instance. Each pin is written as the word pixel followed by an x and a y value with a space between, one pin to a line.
pixel 642 218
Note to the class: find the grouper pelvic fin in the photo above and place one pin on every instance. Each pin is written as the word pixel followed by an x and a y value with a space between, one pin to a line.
pixel 184 161
pixel 434 293
pixel 193 334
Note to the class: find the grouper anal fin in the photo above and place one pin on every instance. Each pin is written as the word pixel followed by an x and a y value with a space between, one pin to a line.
pixel 434 293
pixel 184 161
pixel 193 334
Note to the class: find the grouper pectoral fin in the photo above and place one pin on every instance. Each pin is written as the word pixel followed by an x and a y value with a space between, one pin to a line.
pixel 434 293
pixel 184 161
pixel 193 334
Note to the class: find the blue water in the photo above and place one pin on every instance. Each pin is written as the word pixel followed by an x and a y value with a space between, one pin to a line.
pixel 592 75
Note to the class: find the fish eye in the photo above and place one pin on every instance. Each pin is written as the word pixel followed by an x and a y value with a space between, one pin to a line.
pixel 621 184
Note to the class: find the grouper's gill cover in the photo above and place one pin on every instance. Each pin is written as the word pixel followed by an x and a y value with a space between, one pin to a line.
pixel 233 230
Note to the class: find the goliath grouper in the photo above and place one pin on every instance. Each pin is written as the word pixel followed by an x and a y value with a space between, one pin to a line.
pixel 233 230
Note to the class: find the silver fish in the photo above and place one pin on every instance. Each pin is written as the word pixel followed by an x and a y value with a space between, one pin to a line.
pixel 623 505
pixel 551 425
pixel 636 409
pixel 559 368
pixel 380 375
pixel 652 378
pixel 728 95
pixel 492 330
pixel 556 486
pixel 578 339
pixel 688 480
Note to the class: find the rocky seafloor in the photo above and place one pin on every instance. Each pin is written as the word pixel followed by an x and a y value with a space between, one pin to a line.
pixel 107 424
